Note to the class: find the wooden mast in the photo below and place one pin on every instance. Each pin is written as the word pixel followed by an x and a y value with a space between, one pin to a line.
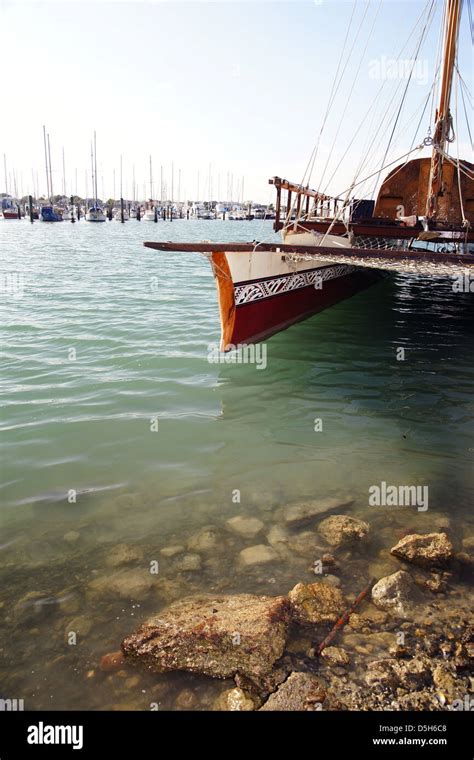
pixel 443 121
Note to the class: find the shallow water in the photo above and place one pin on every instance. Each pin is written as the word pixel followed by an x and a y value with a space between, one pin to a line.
pixel 104 341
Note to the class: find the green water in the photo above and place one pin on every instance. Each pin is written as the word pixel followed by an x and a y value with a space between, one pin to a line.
pixel 103 341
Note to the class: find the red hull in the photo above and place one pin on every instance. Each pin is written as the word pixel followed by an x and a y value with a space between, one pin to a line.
pixel 258 320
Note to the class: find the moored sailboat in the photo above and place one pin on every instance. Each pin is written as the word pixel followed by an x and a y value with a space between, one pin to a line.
pixel 95 213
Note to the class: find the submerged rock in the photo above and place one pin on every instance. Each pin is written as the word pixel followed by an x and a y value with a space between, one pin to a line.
pixel 315 603
pixel 126 584
pixel 205 540
pixel 260 554
pixel 410 674
pixel 444 680
pixel 305 512
pixel 186 700
pixel 190 563
pixel 248 527
pixel 123 554
pixel 72 536
pixel 430 549
pixel 111 662
pixel 218 636
pixel 342 530
pixel 305 544
pixel 300 691
pixel 81 626
pixel 234 700
pixel 172 551
pixel 335 656
pixel 278 538
pixel 397 593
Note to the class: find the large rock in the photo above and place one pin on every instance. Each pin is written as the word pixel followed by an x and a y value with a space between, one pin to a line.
pixel 305 512
pixel 397 593
pixel 247 527
pixel 315 603
pixel 300 691
pixel 219 636
pixel 430 549
pixel 342 530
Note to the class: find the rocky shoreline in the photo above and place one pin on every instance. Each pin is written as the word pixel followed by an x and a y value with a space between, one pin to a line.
pixel 267 643
pixel 235 612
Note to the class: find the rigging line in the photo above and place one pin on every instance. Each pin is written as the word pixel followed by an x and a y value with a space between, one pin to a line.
pixel 469 9
pixel 370 143
pixel 387 117
pixel 370 148
pixel 312 157
pixel 423 114
pixel 377 97
pixel 438 59
pixel 395 172
pixel 464 220
pixel 356 184
pixel 346 63
pixel 467 119
pixel 351 92
pixel 464 85
pixel 332 95
pixel 422 36
pixel 463 168
pixel 309 166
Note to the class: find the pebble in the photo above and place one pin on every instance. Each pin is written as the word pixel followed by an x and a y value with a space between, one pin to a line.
pixel 111 662
pixel 72 536
pixel 186 700
pixel 172 551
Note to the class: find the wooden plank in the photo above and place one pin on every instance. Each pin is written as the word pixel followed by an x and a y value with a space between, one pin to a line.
pixel 375 230
pixel 351 254
pixel 284 184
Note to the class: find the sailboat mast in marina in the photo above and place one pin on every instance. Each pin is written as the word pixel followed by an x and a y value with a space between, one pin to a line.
pixel 335 245
pixel 150 211
pixel 48 212
pixel 95 212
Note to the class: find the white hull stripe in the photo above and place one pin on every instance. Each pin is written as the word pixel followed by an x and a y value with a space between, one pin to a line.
pixel 255 291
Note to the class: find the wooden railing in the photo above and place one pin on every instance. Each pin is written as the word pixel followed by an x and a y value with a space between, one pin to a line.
pixel 301 203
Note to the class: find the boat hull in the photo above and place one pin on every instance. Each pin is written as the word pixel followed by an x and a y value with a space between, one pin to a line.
pixel 263 293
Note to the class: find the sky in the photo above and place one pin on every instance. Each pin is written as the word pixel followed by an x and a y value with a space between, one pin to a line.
pixel 233 91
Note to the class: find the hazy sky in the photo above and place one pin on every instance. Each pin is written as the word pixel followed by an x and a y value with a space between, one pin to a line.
pixel 242 86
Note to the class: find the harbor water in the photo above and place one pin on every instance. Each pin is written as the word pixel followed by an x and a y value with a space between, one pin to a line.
pixel 123 434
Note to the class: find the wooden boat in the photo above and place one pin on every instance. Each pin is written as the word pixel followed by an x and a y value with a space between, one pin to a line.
pixel 335 246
